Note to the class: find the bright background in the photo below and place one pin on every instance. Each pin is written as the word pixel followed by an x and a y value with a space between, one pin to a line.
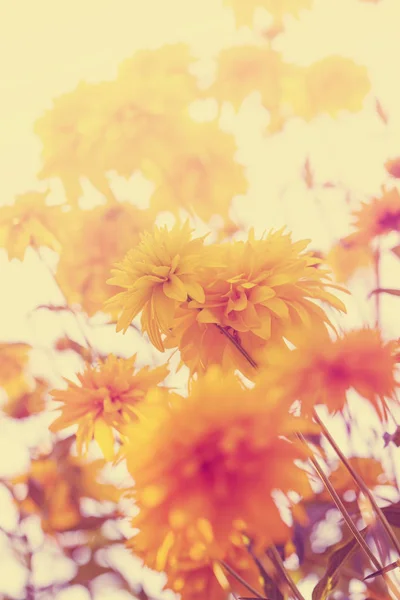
pixel 48 46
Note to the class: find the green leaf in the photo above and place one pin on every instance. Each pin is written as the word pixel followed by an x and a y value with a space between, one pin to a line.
pixel 331 577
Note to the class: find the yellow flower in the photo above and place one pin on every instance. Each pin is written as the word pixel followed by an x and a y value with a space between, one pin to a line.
pixel 29 222
pixel 321 371
pixel 333 84
pixel 158 275
pixel 69 133
pixel 196 171
pixel 105 399
pixel 267 293
pixel 93 241
pixel 204 469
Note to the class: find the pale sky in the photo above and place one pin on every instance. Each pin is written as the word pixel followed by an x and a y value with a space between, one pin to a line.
pixel 48 46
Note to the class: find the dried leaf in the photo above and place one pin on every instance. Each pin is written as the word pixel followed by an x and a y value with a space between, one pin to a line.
pixel 390 291
pixel 381 113
pixel 308 175
pixel 392 513
pixel 396 251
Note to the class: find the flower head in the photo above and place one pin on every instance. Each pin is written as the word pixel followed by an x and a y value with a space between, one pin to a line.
pixel 323 371
pixel 158 275
pixel 205 467
pixel 104 399
pixel 267 292
pixel 378 217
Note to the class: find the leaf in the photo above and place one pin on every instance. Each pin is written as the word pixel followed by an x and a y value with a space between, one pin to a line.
pixel 396 251
pixel 381 113
pixel 331 576
pixel 391 291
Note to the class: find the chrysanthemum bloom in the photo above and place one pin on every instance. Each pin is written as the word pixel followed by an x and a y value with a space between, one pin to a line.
pixel 158 275
pixel 104 399
pixel 204 468
pixel 29 222
pixel 266 293
pixel 378 217
pixel 321 371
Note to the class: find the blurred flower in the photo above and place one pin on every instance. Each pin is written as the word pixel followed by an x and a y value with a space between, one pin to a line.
pixel 204 469
pixel 196 171
pixel 266 293
pixel 104 399
pixel 158 275
pixel 27 402
pixel 378 217
pixel 57 482
pixel 93 241
pixel 244 9
pixel 345 258
pixel 321 371
pixel 14 357
pixel 393 167
pixel 333 84
pixel 29 222
pixel 69 135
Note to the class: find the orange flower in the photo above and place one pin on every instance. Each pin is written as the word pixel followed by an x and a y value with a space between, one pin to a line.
pixel 346 258
pixel 97 238
pixel 204 469
pixel 322 371
pixel 158 275
pixel 378 217
pixel 265 294
pixel 105 399
pixel 29 222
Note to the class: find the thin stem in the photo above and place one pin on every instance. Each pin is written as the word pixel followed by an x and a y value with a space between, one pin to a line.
pixel 377 270
pixel 78 324
pixel 341 507
pixel 242 581
pixel 237 345
pixel 281 567
pixel 360 483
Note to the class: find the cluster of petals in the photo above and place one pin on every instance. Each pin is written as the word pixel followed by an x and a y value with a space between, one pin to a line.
pixel 255 293
pixel 158 275
pixel 379 216
pixel 104 400
pixel 322 371
pixel 205 468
